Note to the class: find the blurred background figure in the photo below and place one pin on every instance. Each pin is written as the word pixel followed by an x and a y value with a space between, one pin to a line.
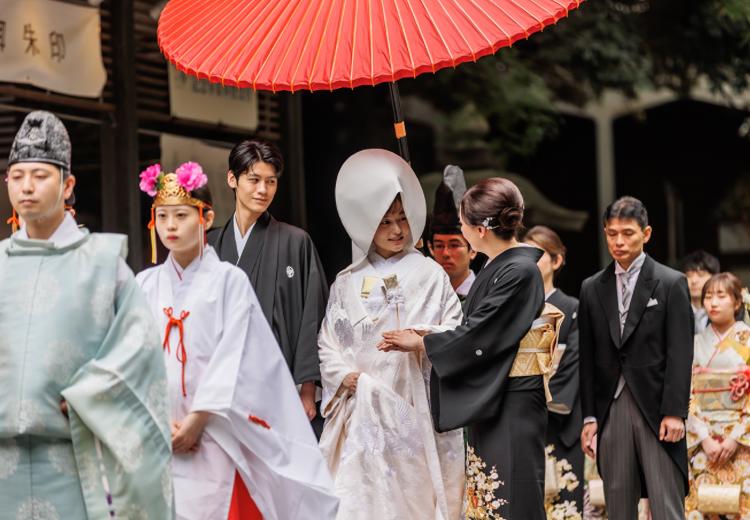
pixel 565 420
pixel 699 266
pixel 447 245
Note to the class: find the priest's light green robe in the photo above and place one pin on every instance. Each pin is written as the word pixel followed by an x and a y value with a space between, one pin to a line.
pixel 74 325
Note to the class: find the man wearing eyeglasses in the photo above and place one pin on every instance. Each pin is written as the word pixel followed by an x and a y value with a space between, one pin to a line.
pixel 447 245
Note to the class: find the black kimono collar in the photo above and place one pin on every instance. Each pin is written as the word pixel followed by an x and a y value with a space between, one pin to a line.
pixel 532 252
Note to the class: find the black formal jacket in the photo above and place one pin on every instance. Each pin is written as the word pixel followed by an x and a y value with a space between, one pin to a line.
pixel 470 364
pixel 288 278
pixel 654 354
pixel 564 385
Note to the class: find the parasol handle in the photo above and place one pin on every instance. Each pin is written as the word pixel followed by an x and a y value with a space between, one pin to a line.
pixel 398 122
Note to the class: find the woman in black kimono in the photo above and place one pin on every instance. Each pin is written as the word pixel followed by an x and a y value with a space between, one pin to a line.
pixel 565 418
pixel 477 380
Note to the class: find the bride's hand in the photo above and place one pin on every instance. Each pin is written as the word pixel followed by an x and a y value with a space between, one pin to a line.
pixel 350 381
pixel 401 341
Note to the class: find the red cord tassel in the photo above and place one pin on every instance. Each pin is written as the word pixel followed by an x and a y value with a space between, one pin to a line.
pixel 181 353
pixel 14 222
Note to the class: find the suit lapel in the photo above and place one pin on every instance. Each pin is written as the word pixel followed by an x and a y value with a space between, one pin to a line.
pixel 644 288
pixel 606 289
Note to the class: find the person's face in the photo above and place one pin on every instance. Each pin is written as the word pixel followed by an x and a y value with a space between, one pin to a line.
pixel 473 234
pixel 547 265
pixel 34 190
pixel 393 231
pixel 179 227
pixel 720 306
pixel 255 188
pixel 625 239
pixel 696 281
pixel 453 254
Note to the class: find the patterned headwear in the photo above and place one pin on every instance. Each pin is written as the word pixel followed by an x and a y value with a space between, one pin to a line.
pixel 42 138
pixel 448 196
pixel 174 189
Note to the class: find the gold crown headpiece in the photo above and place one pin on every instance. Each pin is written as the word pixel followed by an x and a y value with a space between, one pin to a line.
pixel 174 189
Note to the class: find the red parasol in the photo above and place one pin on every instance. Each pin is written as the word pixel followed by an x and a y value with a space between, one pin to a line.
pixel 329 44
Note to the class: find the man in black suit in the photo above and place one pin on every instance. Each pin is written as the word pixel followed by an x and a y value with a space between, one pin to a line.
pixel 636 337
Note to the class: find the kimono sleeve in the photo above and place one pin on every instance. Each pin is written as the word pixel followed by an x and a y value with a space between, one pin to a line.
pixel 697 429
pixel 218 384
pixel 334 365
pixel 306 366
pixel 119 414
pixel 258 419
pixel 494 329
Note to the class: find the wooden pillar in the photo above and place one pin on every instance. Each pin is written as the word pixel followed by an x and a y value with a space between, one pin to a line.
pixel 123 179
pixel 605 177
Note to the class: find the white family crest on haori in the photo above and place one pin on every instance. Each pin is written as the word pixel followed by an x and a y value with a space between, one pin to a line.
pixel 387 460
pixel 223 359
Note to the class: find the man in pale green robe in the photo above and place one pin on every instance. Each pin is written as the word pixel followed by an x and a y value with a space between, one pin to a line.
pixel 84 428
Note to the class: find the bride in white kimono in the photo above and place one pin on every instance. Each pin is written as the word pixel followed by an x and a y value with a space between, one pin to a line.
pixel 386 458
pixel 242 444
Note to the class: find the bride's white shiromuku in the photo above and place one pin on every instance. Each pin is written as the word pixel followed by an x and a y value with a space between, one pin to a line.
pixel 386 458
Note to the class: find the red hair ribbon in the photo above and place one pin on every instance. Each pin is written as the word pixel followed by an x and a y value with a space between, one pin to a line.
pixel 259 421
pixel 181 352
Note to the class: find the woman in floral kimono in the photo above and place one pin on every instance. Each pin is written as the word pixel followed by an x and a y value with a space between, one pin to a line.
pixel 718 427
pixel 243 447
pixel 388 462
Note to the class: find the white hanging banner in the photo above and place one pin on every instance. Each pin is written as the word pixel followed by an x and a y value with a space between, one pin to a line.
pixel 52 45
pixel 201 100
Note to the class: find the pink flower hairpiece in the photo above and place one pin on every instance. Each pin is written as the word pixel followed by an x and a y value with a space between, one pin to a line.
pixel 151 179
pixel 190 176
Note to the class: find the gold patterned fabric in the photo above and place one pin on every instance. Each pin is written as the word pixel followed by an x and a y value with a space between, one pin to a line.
pixel 536 352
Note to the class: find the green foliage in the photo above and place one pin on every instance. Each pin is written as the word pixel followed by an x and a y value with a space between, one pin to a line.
pixel 621 45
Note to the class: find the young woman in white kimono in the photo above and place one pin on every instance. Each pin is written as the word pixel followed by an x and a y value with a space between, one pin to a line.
pixel 388 462
pixel 237 421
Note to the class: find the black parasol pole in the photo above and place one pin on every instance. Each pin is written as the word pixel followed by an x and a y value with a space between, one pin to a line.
pixel 398 122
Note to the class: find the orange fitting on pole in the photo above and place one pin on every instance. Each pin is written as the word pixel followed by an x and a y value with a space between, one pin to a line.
pixel 400 129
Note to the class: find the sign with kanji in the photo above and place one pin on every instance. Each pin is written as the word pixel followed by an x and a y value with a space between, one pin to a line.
pixel 201 100
pixel 52 45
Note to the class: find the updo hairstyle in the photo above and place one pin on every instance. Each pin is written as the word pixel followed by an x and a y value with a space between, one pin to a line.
pixel 496 204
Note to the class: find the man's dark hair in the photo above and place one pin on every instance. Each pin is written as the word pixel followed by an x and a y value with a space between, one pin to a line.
pixel 700 261
pixel 626 208
pixel 247 153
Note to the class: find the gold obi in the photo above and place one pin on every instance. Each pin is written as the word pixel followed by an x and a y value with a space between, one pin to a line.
pixel 535 353
pixel 721 390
